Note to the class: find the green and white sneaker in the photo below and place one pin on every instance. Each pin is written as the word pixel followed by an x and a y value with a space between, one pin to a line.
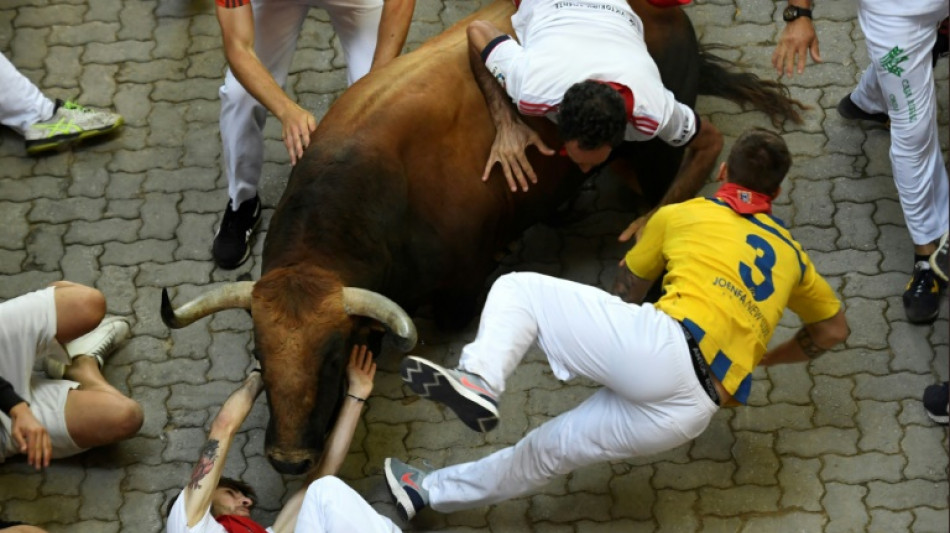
pixel 70 122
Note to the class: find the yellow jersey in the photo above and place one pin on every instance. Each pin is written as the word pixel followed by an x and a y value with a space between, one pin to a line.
pixel 729 279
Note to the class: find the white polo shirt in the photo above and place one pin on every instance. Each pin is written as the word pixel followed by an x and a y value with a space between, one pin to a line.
pixel 564 42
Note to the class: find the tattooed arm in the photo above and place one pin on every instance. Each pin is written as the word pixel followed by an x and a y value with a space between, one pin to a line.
pixel 207 472
pixel 810 342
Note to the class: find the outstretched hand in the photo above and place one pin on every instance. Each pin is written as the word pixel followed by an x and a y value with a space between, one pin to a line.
pixel 297 124
pixel 798 40
pixel 635 228
pixel 30 436
pixel 508 149
pixel 360 371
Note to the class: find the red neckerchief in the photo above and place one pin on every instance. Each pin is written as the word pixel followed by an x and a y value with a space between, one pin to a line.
pixel 744 201
pixel 239 524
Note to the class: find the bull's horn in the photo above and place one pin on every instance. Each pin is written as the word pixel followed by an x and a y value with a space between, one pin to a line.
pixel 363 302
pixel 230 296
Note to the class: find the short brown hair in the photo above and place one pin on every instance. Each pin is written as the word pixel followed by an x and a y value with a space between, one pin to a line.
pixel 759 161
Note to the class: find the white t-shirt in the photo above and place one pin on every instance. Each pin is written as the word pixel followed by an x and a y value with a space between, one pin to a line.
pixel 911 8
pixel 178 520
pixel 564 42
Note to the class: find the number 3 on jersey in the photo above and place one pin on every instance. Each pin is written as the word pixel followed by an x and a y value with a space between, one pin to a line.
pixel 764 261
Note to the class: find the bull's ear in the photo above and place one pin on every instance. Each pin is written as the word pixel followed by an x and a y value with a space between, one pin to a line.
pixel 362 302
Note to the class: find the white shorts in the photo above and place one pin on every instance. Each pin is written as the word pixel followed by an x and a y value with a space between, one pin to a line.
pixel 27 334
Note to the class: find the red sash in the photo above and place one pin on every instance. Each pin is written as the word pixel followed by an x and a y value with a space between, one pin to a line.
pixel 239 524
pixel 744 201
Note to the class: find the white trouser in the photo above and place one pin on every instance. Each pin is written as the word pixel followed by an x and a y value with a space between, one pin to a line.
pixel 904 89
pixel 277 25
pixel 651 400
pixel 331 506
pixel 22 104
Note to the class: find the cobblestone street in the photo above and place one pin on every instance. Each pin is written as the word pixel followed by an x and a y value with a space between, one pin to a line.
pixel 839 445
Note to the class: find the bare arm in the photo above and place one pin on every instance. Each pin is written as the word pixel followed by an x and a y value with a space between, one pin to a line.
pixel 811 341
pixel 797 41
pixel 360 372
pixel 512 135
pixel 237 34
pixel 207 472
pixel 393 28
pixel 630 287
pixel 701 154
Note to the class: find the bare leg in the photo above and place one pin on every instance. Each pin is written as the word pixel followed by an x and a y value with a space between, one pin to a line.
pixel 97 413
pixel 79 309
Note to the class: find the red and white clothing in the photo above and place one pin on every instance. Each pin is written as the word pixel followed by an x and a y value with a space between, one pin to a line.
pixel 330 506
pixel 563 42
pixel 900 82
pixel 277 26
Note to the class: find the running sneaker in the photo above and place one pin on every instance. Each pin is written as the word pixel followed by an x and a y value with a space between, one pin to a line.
pixel 70 122
pixel 936 398
pixel 232 242
pixel 922 295
pixel 849 110
pixel 463 392
pixel 405 487
pixel 939 261
pixel 98 343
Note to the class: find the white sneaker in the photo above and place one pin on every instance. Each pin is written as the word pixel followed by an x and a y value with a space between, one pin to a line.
pixel 102 341
pixel 69 123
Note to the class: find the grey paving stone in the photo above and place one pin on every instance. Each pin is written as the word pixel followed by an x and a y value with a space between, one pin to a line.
pixel 927 457
pixel 906 494
pixel 739 500
pixel 833 403
pixel 800 484
pixel 786 523
pixel 883 520
pixel 816 442
pixel 846 510
pixel 755 455
pixel 674 510
pixel 862 468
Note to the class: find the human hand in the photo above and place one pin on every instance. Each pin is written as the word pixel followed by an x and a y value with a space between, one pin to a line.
pixel 360 371
pixel 508 149
pixel 297 124
pixel 634 229
pixel 30 436
pixel 797 40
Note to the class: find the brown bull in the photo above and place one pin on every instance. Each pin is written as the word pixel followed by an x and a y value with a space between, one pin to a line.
pixel 388 199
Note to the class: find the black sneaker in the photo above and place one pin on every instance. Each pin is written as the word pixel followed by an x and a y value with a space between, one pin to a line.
pixel 464 393
pixel 922 296
pixel 849 110
pixel 232 242
pixel 936 398
pixel 939 260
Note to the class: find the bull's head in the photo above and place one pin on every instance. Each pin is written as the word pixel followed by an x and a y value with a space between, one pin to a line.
pixel 302 326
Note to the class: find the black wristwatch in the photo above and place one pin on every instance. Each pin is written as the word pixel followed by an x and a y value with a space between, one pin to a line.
pixel 793 12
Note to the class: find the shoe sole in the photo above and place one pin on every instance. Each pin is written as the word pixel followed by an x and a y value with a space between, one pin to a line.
pixel 431 381
pixel 399 495
pixel 63 141
pixel 943 420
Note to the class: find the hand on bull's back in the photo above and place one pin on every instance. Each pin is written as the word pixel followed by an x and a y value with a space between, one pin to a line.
pixel 508 149
pixel 360 372
pixel 297 124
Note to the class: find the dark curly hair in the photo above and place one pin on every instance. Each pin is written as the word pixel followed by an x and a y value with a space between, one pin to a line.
pixel 223 483
pixel 593 114
pixel 759 160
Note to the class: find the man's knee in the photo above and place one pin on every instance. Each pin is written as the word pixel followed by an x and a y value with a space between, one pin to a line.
pixel 129 418
pixel 79 309
pixel 22 529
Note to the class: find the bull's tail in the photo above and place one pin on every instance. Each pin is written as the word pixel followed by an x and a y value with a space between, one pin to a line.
pixel 718 78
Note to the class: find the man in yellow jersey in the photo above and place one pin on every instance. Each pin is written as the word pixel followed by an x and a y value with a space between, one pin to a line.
pixel 665 368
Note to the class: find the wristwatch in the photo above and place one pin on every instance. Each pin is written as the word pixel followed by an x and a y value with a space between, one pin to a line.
pixel 793 12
